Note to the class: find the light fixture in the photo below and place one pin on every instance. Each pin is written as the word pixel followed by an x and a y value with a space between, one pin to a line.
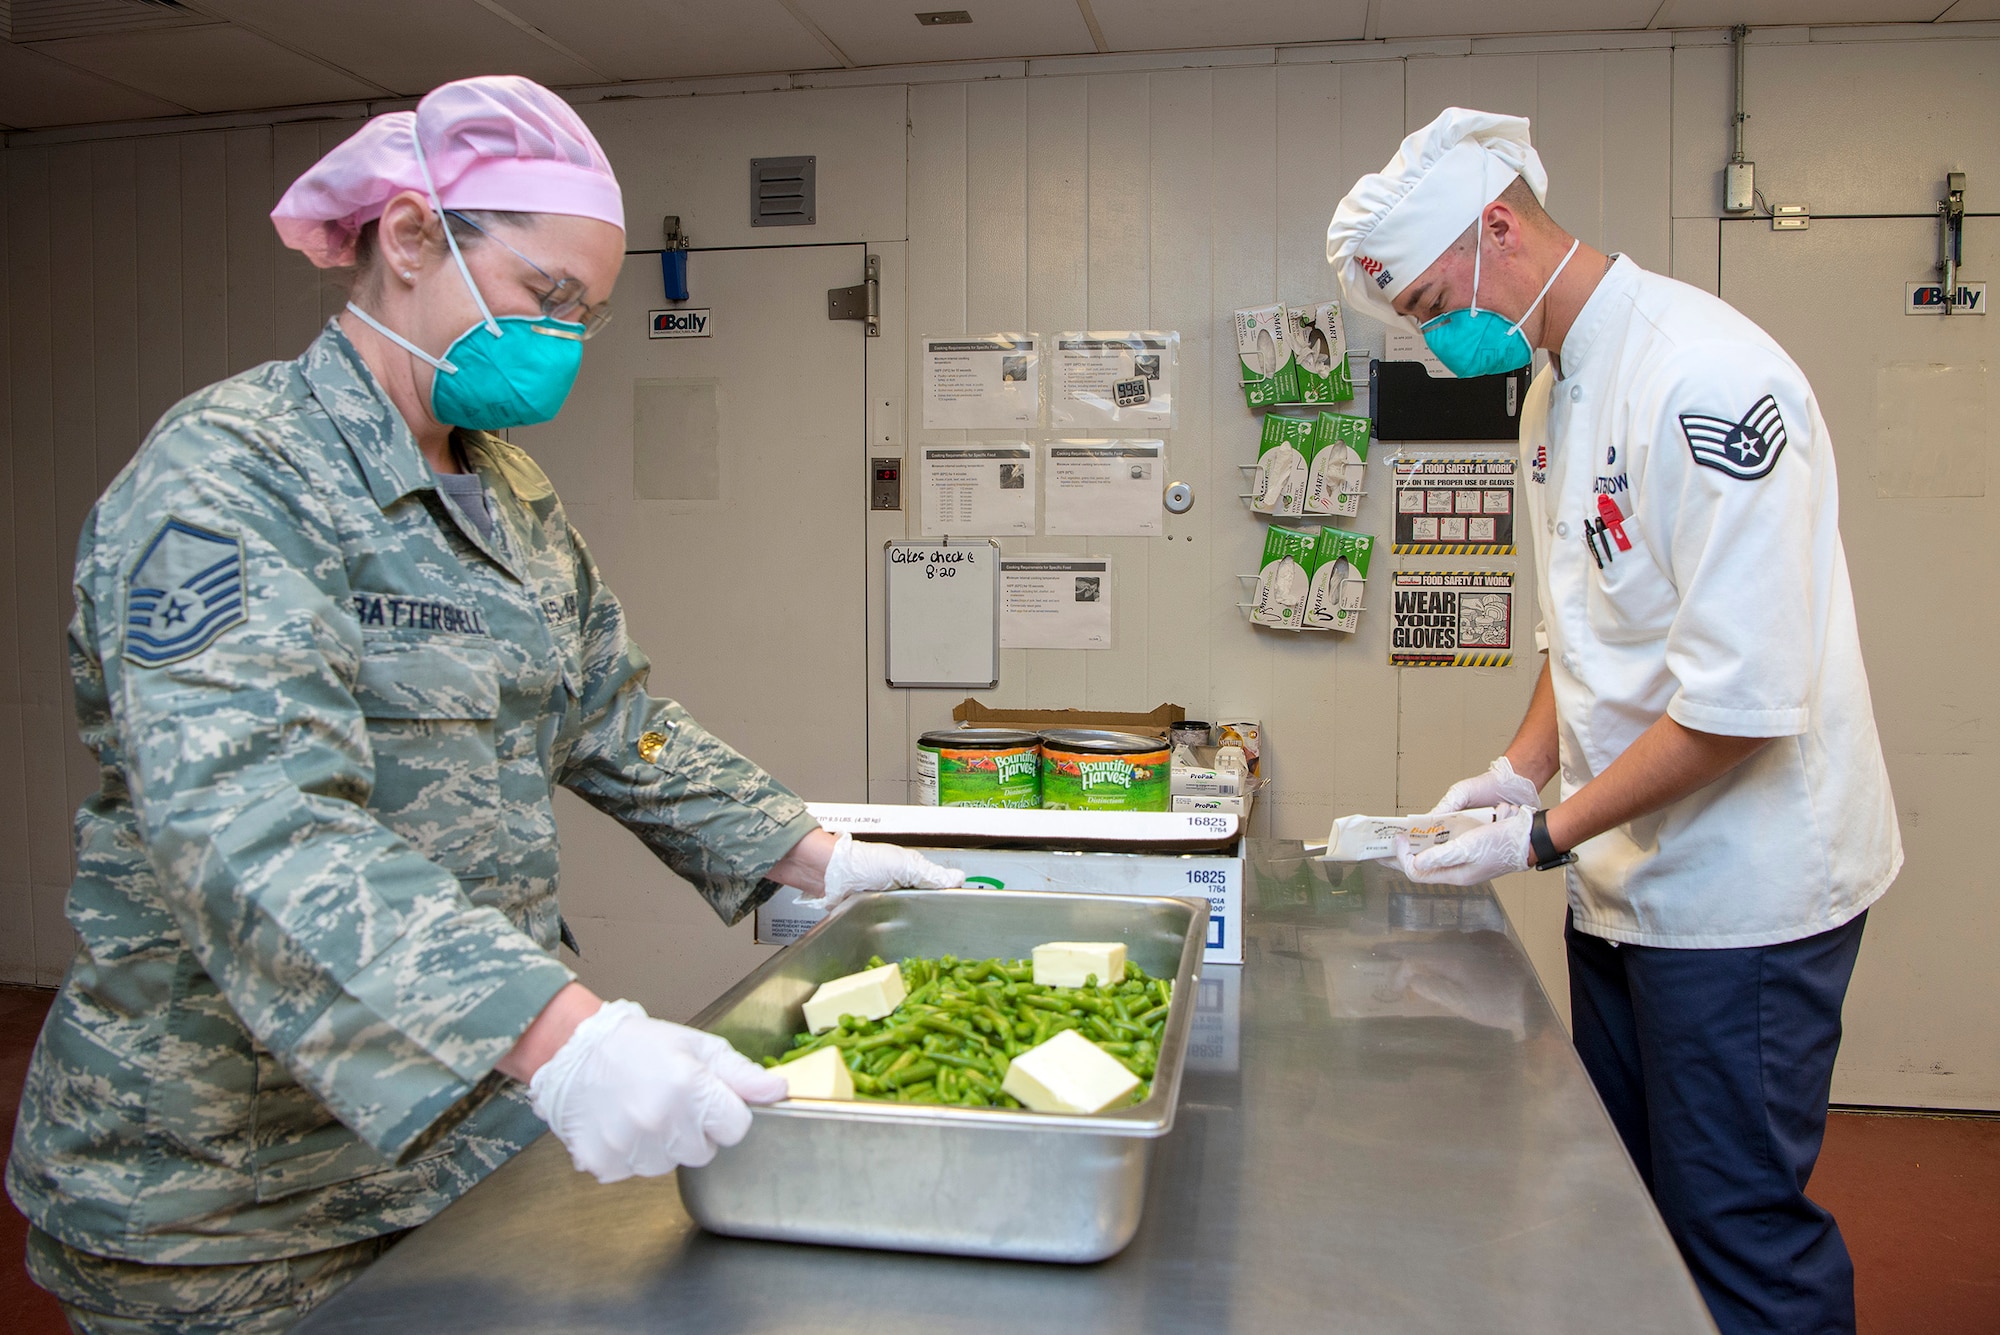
pixel 942 18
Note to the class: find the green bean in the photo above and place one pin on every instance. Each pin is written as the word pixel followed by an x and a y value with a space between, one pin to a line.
pixel 940 1025
pixel 919 1069
pixel 962 1023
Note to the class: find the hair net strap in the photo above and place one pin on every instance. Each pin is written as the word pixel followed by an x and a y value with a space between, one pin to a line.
pixel 417 142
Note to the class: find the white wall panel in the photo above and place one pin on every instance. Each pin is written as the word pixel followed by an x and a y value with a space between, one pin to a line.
pixel 1120 241
pixel 1181 285
pixel 1243 194
pixel 996 295
pixel 935 298
pixel 1058 169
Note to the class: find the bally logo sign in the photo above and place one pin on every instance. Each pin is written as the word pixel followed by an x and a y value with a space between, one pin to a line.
pixel 1928 299
pixel 679 324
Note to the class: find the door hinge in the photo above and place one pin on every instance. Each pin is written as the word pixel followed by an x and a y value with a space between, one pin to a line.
pixel 863 301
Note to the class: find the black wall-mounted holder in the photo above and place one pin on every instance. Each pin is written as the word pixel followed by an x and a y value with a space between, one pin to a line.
pixel 1405 402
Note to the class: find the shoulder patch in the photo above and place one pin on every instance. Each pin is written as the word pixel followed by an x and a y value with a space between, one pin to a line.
pixel 184 591
pixel 1747 448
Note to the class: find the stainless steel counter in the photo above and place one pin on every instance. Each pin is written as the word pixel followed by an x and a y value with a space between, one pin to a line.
pixel 1382 1128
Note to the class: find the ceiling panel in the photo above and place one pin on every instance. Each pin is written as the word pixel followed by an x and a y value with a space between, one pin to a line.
pixel 216 68
pixel 886 32
pixel 643 39
pixel 1966 11
pixel 1473 18
pixel 1778 13
pixel 1180 25
pixel 410 46
pixel 36 91
pixel 46 20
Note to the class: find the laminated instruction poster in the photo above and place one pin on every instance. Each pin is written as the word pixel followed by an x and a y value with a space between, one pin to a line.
pixel 1106 488
pixel 1055 602
pixel 985 490
pixel 981 382
pixel 1114 379
pixel 1455 507
pixel 1452 618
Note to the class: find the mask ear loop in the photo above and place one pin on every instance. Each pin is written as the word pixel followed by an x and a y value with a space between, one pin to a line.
pixel 1545 286
pixel 416 142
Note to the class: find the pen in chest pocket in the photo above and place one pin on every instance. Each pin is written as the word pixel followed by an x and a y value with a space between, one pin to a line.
pixel 1590 544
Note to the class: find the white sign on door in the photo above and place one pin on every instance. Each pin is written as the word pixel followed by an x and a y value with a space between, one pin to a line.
pixel 692 322
pixel 1928 299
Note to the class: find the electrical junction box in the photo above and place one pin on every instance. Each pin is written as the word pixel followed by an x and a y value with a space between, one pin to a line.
pixel 1739 187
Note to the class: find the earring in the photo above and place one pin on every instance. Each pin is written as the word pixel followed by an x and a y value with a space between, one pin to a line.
pixel 408 276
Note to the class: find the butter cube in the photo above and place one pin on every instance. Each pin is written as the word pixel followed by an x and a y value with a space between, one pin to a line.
pixel 1069 963
pixel 1068 1074
pixel 870 994
pixel 819 1075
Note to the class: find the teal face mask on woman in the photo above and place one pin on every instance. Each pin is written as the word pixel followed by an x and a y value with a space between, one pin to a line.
pixel 508 370
pixel 1474 342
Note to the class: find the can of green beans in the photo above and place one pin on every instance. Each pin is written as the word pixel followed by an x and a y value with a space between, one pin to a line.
pixel 979 767
pixel 1085 769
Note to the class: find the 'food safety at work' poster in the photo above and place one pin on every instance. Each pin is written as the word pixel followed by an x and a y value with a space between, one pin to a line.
pixel 1455 507
pixel 1452 618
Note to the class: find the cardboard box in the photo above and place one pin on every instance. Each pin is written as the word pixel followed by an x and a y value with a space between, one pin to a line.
pixel 1152 724
pixel 1171 867
pixel 1228 806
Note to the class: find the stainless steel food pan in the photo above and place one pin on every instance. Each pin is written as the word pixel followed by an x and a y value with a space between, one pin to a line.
pixel 972 1181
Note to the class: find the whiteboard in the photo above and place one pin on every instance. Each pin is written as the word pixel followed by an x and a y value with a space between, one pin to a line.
pixel 943 612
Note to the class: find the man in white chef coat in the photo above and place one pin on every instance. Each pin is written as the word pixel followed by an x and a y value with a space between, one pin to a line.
pixel 1725 815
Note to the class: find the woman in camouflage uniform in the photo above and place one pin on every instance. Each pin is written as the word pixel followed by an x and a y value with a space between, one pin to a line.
pixel 335 646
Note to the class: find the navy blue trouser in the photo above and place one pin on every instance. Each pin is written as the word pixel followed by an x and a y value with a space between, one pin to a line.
pixel 1716 1066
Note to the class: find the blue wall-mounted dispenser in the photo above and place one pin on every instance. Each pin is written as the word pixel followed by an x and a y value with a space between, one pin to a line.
pixel 674 260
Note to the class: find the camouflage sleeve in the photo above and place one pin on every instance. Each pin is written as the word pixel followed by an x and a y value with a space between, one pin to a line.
pixel 360 964
pixel 706 810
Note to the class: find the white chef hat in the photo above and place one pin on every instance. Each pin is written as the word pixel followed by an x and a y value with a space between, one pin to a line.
pixel 1395 223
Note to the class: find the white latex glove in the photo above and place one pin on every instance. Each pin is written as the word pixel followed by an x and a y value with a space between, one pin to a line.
pixel 1497 785
pixel 858 865
pixel 631 1096
pixel 1478 855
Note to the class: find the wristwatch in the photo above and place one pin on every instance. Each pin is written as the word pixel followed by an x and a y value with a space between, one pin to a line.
pixel 1542 847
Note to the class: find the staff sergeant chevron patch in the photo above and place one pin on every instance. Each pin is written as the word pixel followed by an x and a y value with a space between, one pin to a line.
pixel 186 589
pixel 1747 449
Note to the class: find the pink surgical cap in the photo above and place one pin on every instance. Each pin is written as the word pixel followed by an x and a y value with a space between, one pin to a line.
pixel 496 142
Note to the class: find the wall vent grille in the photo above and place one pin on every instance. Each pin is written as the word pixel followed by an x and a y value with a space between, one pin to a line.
pixel 782 192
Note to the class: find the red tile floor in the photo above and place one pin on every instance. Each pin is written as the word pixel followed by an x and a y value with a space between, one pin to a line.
pixel 1918 1199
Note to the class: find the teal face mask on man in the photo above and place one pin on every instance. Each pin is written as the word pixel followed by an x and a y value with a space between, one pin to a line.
pixel 508 370
pixel 1473 342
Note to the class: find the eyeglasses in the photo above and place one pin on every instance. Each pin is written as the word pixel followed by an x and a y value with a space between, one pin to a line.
pixel 564 298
